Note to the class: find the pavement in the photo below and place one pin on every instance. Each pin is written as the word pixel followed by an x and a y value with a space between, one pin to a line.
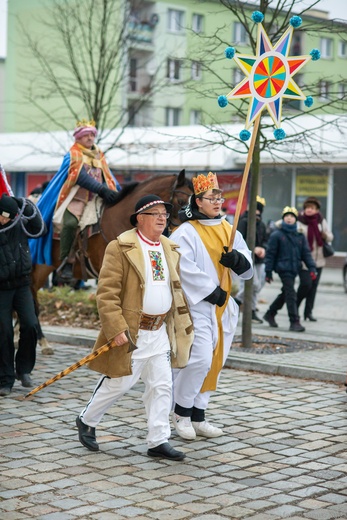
pixel 325 364
pixel 282 455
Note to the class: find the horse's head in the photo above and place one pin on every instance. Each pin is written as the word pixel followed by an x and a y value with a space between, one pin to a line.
pixel 183 189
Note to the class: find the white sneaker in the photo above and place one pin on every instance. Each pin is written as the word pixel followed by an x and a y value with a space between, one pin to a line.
pixel 184 427
pixel 205 429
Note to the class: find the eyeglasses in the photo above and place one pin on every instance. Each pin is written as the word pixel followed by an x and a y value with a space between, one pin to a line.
pixel 157 215
pixel 214 201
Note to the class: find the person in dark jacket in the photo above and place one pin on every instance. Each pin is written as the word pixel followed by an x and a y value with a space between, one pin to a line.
pixel 19 219
pixel 286 250
pixel 259 257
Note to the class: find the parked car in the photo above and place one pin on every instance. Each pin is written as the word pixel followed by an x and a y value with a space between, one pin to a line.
pixel 344 273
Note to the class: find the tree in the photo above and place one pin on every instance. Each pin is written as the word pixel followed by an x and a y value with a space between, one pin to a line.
pixel 79 64
pixel 277 14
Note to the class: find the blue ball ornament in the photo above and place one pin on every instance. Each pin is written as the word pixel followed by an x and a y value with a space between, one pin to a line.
pixel 222 101
pixel 315 54
pixel 229 53
pixel 308 101
pixel 257 17
pixel 279 134
pixel 244 135
pixel 295 21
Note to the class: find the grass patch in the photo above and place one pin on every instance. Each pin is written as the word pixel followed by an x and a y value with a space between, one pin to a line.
pixel 63 306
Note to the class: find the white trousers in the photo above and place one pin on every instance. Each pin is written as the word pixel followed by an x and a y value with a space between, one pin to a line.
pixel 189 380
pixel 155 372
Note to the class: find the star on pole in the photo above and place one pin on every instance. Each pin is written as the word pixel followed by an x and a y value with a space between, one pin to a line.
pixel 268 75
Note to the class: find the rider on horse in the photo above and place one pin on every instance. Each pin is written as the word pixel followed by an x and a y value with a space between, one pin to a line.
pixel 70 199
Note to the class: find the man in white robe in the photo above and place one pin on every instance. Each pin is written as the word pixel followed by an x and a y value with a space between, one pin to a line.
pixel 204 237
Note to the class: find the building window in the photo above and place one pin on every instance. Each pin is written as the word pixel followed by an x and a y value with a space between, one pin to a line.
pixel 175 20
pixel 195 117
pixel 238 76
pixel 198 23
pixel 172 116
pixel 196 70
pixel 240 35
pixel 342 90
pixel 296 47
pixel 174 70
pixel 133 75
pixel 343 49
pixel 326 47
pixel 324 90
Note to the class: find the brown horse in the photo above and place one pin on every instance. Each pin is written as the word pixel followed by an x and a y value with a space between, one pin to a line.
pixel 115 220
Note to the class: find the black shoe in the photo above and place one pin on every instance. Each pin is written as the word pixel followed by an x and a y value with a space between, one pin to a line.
pixel 86 435
pixel 296 327
pixel 165 451
pixel 270 319
pixel 255 318
pixel 66 274
pixel 5 390
pixel 309 317
pixel 25 380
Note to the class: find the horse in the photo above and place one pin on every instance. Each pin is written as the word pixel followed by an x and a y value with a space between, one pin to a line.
pixel 115 219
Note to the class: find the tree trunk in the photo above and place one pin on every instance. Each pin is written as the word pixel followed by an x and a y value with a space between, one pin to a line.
pixel 251 226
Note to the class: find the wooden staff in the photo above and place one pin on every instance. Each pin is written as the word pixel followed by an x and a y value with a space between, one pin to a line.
pixel 241 194
pixel 81 362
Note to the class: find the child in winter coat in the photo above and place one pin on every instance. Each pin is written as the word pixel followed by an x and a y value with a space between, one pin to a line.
pixel 286 250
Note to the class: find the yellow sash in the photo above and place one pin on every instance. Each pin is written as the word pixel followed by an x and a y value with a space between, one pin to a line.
pixel 214 239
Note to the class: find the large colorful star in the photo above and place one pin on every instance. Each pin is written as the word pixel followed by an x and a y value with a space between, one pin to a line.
pixel 269 76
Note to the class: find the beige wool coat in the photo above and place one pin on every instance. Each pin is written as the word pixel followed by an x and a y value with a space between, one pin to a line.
pixel 120 294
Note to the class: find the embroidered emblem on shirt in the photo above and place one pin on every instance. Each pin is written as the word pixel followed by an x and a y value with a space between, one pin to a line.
pixel 157 266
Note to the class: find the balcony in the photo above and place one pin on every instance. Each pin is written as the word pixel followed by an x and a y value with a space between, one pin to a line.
pixel 140 32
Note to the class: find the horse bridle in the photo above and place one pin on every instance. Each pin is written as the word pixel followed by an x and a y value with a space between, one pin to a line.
pixel 174 192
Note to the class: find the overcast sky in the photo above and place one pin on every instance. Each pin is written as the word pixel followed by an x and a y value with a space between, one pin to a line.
pixel 336 8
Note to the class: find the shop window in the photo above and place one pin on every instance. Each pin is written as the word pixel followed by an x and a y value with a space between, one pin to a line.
pixel 339 223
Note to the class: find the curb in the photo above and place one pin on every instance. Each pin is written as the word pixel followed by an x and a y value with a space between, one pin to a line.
pixel 288 370
pixel 234 361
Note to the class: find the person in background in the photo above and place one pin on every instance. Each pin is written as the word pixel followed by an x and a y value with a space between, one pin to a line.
pixel 71 194
pixel 204 237
pixel 139 295
pixel 259 257
pixel 19 219
pixel 315 228
pixel 285 252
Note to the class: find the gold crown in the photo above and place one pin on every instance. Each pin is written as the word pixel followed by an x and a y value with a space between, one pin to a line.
pixel 203 183
pixel 85 122
pixel 261 200
pixel 290 209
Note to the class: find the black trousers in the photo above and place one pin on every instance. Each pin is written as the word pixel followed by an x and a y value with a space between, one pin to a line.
pixel 308 289
pixel 19 300
pixel 287 296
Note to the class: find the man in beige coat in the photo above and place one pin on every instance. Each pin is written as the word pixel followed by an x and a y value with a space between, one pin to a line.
pixel 139 295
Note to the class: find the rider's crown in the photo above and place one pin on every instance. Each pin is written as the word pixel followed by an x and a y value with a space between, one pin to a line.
pixel 85 122
pixel 203 183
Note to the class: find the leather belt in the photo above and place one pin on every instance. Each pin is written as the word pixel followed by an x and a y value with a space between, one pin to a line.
pixel 149 322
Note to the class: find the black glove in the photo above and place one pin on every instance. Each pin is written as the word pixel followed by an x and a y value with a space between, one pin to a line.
pixel 217 297
pixel 235 261
pixel 268 277
pixel 109 196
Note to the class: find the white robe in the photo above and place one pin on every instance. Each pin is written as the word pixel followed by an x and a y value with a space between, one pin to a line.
pixel 199 278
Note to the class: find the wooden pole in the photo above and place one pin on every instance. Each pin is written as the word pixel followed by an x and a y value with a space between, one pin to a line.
pixel 90 357
pixel 242 193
